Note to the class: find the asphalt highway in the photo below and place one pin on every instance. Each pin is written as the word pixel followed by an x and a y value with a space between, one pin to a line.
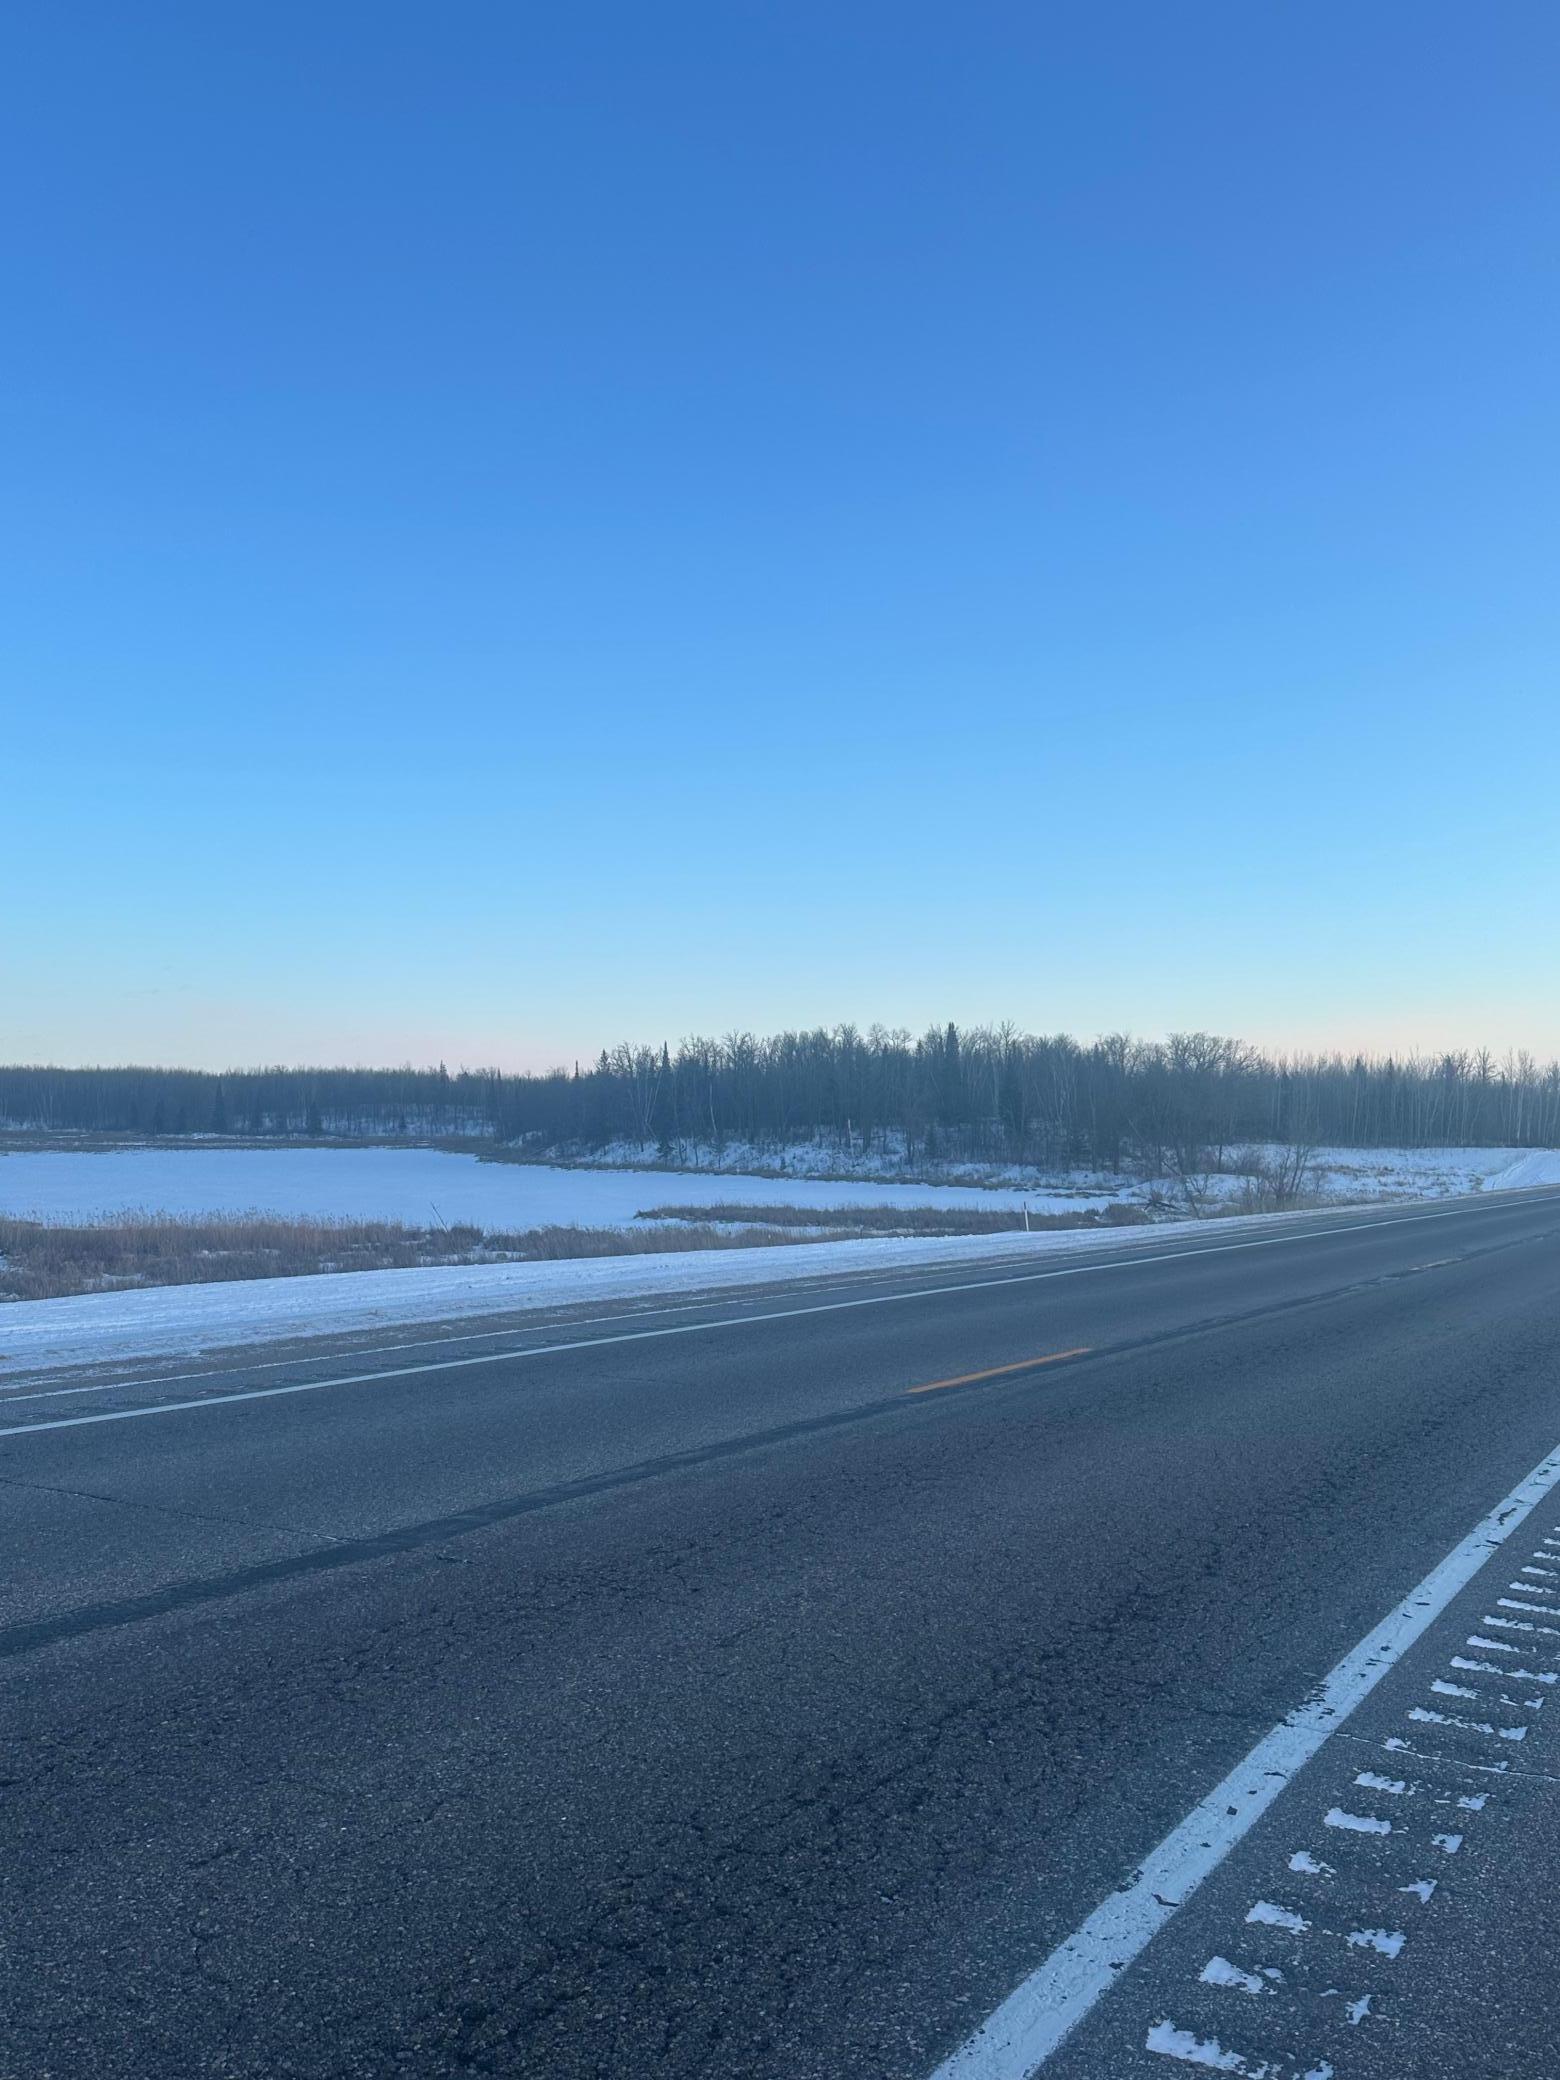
pixel 770 1685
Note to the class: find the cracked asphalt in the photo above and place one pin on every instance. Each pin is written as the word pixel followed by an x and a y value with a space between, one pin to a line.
pixel 709 1703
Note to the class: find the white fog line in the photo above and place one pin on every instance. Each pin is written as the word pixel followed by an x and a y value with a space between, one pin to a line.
pixel 547 1319
pixel 1018 2038
pixel 372 1350
pixel 779 1314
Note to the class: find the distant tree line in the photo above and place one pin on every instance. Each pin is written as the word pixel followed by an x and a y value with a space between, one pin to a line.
pixel 981 1094
pixel 251 1103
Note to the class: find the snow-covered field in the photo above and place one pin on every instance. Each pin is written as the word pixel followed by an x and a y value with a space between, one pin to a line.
pixel 885 1160
pixel 423 1185
pixel 404 1184
pixel 415 1185
pixel 1430 1173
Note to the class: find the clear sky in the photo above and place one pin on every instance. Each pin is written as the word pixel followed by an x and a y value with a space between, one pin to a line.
pixel 525 526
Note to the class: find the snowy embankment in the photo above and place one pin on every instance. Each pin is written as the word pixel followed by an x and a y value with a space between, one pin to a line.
pixel 887 1163
pixel 1341 1173
pixel 184 1320
pixel 181 1321
pixel 1539 1166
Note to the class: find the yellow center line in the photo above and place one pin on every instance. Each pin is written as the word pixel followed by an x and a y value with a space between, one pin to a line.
pixel 968 1379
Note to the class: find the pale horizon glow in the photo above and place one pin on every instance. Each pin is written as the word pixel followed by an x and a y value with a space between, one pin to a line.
pixel 519 1060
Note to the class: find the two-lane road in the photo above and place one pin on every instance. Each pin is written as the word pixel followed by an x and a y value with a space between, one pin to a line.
pixel 762 1686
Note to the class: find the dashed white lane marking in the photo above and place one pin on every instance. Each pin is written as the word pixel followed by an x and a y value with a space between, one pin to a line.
pixel 1027 2028
pixel 778 1314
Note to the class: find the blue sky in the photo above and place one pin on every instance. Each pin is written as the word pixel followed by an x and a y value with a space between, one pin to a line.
pixel 527 526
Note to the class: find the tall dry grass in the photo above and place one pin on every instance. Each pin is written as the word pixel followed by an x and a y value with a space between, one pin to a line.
pixel 44 1261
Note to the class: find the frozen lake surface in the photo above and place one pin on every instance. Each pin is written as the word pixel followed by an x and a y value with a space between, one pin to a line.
pixel 413 1185
pixel 418 1185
